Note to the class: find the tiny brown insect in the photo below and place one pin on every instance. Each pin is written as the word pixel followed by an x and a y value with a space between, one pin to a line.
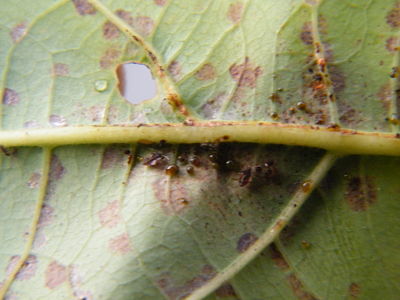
pixel 171 170
pixel 156 160
pixel 245 177
pixel 190 170
pixel 195 161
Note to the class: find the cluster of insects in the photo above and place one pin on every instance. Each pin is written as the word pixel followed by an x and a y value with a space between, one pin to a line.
pixel 218 156
pixel 265 172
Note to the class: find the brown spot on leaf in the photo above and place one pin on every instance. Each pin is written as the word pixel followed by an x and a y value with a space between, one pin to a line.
pixel 174 69
pixel 110 31
pixel 393 17
pixel 46 215
pixel 360 193
pixel 109 58
pixel 58 121
pixel 278 258
pixel 385 95
pixel 31 124
pixel 94 113
pixel 354 290
pixel 112 156
pixel 120 244
pixel 392 44
pixel 181 291
pixel 18 32
pixel 207 72
pixel 348 115
pixel 56 274
pixel 298 288
pixel 125 15
pixel 173 197
pixel 235 12
pixel 226 290
pixel 338 79
pixel 83 7
pixel 28 268
pixel 143 25
pixel 57 170
pixel 245 74
pixel 12 264
pixel 306 34
pixel 110 215
pixel 34 180
pixel 160 2
pixel 10 97
pixel 60 69
pixel 245 241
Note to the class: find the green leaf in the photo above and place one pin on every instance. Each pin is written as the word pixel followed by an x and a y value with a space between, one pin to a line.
pixel 250 96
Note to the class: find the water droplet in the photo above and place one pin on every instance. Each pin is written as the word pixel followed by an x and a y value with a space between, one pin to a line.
pixel 172 170
pixel 301 105
pixel 195 161
pixel 306 186
pixel 190 170
pixel 101 85
pixel 274 116
pixel 183 201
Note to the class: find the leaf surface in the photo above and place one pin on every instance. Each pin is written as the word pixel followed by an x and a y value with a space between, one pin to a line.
pixel 169 221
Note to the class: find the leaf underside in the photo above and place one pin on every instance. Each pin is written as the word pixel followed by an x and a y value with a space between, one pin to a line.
pixel 162 221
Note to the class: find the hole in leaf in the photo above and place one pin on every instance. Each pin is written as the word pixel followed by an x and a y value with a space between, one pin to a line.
pixel 136 82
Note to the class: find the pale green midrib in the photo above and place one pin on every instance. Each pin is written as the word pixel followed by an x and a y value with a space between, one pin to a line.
pixel 34 225
pixel 272 232
pixel 344 141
